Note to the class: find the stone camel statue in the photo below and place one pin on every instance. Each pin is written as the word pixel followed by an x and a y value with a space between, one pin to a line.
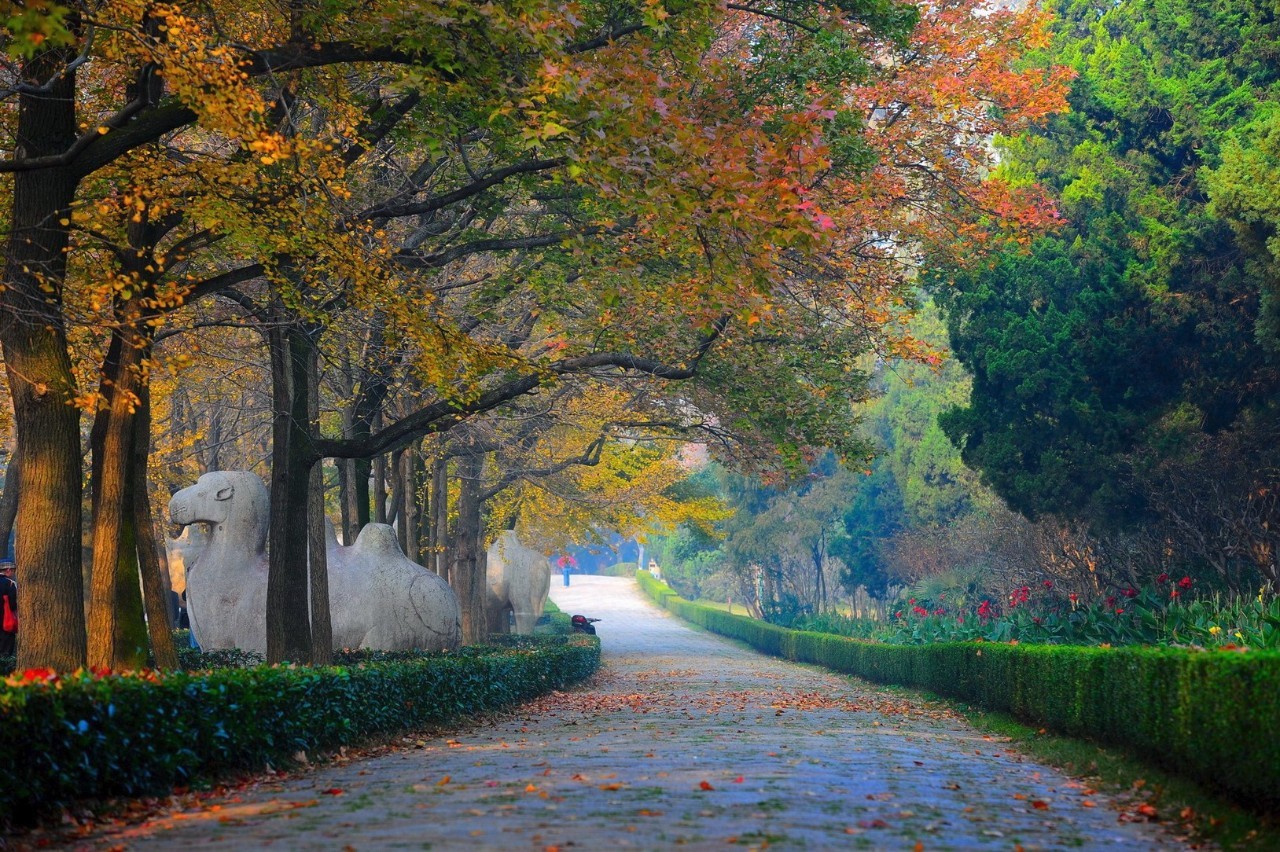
pixel 378 598
pixel 519 580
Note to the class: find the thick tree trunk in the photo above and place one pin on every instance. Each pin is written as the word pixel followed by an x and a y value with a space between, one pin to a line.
pixel 288 611
pixel 9 500
pixel 317 555
pixel 41 384
pixel 468 574
pixel 152 561
pixel 117 630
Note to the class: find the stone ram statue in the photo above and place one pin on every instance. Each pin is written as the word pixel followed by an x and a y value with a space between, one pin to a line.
pixel 377 597
pixel 519 580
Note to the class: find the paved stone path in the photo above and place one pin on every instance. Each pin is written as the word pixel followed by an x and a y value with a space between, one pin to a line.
pixel 684 739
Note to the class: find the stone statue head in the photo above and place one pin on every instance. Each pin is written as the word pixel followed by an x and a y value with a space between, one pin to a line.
pixel 235 502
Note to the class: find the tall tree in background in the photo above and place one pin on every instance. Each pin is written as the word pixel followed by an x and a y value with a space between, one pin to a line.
pixel 1093 351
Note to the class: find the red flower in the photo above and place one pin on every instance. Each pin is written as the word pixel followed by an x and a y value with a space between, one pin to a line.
pixel 1073 597
pixel 1130 592
pixel 898 614
pixel 939 611
pixel 1185 582
pixel 1173 593
pixel 984 610
pixel 1119 612
pixel 1038 620
pixel 1111 601
pixel 912 601
pixel 1163 578
pixel 1048 584
pixel 39 674
pixel 920 611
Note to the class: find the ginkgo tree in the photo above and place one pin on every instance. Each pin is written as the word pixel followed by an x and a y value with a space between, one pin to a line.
pixel 725 196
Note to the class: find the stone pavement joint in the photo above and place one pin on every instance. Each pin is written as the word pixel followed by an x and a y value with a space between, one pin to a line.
pixel 685 739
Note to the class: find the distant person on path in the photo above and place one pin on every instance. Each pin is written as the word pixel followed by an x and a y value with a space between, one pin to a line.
pixel 566 564
pixel 9 595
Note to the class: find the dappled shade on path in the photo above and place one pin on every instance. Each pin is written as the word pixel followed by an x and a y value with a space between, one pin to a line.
pixel 683 738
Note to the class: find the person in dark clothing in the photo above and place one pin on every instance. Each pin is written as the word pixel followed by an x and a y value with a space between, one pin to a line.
pixel 8 594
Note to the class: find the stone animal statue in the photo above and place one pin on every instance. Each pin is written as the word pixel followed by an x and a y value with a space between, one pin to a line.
pixel 519 580
pixel 378 598
pixel 182 553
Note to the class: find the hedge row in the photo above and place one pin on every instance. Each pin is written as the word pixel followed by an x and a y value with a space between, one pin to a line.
pixel 85 736
pixel 1210 715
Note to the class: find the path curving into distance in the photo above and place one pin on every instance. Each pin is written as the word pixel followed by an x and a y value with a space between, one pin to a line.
pixel 683 739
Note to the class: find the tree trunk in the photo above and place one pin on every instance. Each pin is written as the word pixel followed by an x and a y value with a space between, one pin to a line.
pixel 413 505
pixel 440 516
pixel 117 631
pixel 41 385
pixel 317 549
pixel 468 574
pixel 288 611
pixel 9 500
pixel 152 561
pixel 345 514
pixel 395 507
pixel 380 490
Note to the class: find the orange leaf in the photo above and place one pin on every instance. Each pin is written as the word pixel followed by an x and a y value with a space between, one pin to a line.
pixel 444 780
pixel 333 791
pixel 1040 805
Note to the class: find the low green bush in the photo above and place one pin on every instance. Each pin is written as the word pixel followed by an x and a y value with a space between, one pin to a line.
pixel 84 736
pixel 1211 715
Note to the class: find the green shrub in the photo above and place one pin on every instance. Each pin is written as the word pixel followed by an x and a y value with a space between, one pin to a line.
pixel 553 621
pixel 1211 715
pixel 88 736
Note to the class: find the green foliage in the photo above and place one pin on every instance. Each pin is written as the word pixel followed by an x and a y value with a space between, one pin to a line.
pixel 141 734
pixel 1194 712
pixel 1145 301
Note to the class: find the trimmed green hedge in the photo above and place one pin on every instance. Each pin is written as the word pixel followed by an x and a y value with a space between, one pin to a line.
pixel 84 736
pixel 1210 715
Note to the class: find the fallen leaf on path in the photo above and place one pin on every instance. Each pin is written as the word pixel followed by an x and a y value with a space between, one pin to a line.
pixel 445 780
pixel 1040 805
pixel 333 791
pixel 705 785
